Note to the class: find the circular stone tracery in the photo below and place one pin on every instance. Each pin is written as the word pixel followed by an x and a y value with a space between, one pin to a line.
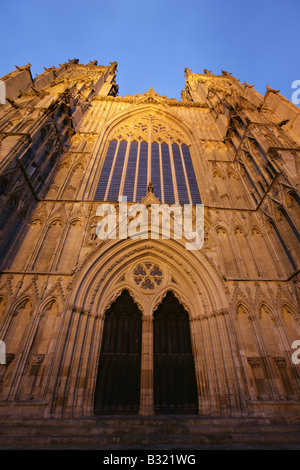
pixel 147 276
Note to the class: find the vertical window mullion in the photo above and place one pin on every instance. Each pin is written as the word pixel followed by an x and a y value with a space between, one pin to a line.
pixel 180 178
pixel 161 175
pixel 142 173
pixel 113 192
pixel 136 172
pixel 185 176
pixel 149 152
pixel 174 180
pixel 167 174
pixel 105 172
pixel 111 171
pixel 129 183
pixel 155 169
pixel 124 171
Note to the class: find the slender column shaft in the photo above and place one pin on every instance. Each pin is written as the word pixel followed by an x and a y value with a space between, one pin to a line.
pixel 146 397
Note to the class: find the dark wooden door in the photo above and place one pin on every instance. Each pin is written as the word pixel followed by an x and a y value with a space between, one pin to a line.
pixel 175 387
pixel 118 380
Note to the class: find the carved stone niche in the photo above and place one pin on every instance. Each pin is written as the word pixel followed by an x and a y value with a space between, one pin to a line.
pixel 254 362
pixel 280 361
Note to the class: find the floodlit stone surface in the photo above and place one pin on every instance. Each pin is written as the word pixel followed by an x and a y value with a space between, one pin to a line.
pixel 58 280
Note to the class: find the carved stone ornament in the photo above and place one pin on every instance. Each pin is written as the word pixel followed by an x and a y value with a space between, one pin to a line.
pixel 253 362
pixel 147 276
pixel 140 127
pixel 280 361
pixel 37 359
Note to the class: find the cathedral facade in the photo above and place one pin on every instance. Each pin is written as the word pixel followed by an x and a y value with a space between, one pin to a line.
pixel 140 324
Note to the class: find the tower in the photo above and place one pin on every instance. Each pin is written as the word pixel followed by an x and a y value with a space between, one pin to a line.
pixel 140 324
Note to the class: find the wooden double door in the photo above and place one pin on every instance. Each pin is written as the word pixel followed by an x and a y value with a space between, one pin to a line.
pixel 119 373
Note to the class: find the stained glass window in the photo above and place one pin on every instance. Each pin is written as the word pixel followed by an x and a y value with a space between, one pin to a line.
pixel 167 174
pixel 196 199
pixel 116 174
pixel 142 174
pixel 102 185
pixel 130 173
pixel 180 177
pixel 155 169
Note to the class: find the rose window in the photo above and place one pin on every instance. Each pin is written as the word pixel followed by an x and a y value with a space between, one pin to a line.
pixel 147 276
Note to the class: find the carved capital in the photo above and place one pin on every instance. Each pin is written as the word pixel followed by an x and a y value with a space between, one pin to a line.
pixel 147 319
pixel 280 361
pixel 197 319
pixel 251 317
pixel 37 359
pixel 100 316
pixel 253 362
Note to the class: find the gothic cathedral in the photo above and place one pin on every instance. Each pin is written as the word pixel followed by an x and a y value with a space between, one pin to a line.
pixel 141 325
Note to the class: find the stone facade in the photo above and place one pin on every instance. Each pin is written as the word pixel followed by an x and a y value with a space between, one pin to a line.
pixel 58 279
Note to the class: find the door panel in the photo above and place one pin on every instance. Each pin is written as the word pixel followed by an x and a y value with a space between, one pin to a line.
pixel 175 387
pixel 118 381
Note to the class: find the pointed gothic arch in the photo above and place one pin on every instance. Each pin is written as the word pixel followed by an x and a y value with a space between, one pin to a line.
pixel 168 130
pixel 108 270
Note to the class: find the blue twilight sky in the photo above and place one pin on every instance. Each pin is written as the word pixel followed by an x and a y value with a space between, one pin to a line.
pixel 154 40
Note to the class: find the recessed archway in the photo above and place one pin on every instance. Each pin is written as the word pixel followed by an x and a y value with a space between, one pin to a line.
pixel 113 268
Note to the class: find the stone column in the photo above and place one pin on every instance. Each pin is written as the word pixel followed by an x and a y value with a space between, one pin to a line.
pixel 200 366
pixel 147 398
pixel 91 362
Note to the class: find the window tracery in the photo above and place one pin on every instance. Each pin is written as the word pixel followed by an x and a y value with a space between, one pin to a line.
pixel 148 148
pixel 147 276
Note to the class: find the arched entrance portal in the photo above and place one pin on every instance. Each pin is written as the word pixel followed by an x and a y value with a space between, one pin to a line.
pixel 175 387
pixel 118 380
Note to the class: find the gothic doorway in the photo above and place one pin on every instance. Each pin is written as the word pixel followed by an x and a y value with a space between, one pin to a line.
pixel 118 380
pixel 175 387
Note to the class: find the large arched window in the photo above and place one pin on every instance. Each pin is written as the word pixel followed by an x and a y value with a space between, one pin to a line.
pixel 150 150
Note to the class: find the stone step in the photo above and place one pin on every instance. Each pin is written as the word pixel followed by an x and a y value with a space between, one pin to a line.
pixel 112 429
pixel 119 431
pixel 152 421
pixel 78 441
